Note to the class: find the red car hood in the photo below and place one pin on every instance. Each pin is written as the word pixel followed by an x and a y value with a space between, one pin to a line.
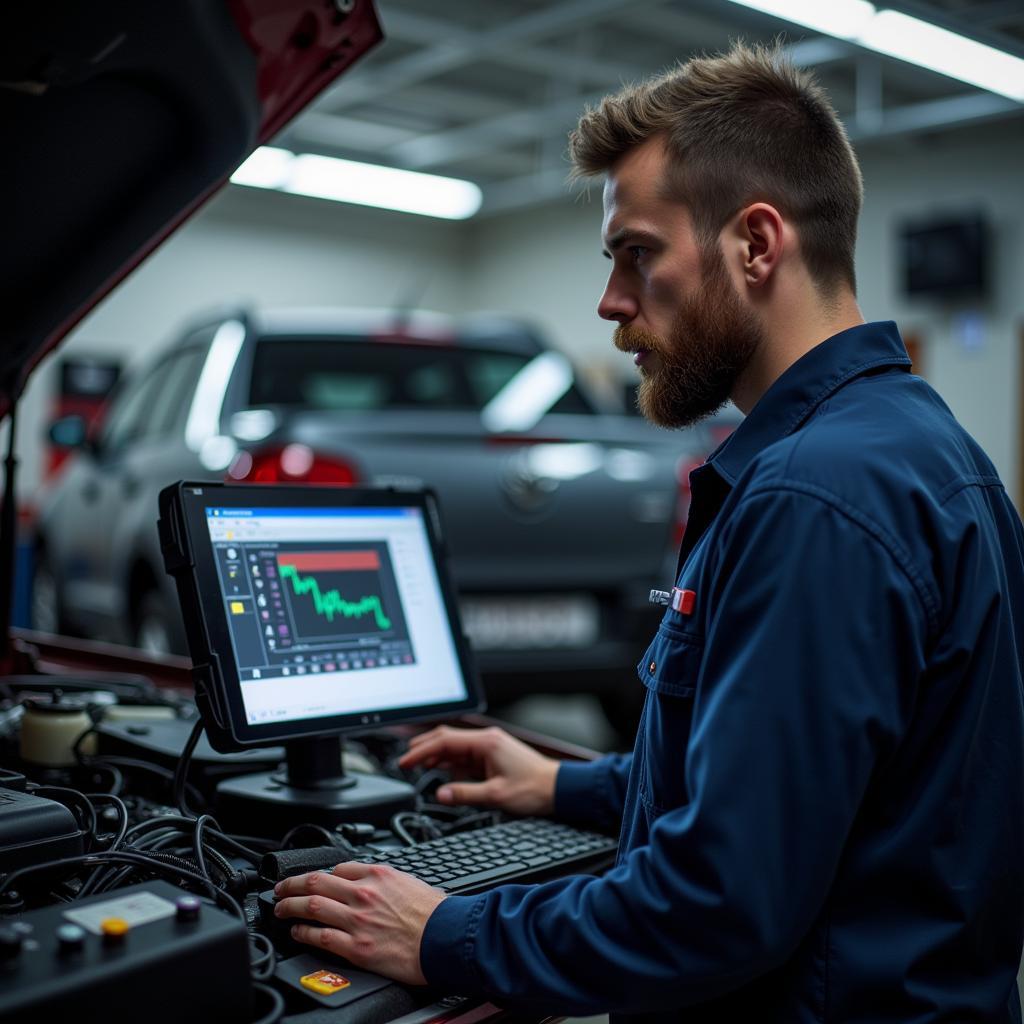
pixel 122 118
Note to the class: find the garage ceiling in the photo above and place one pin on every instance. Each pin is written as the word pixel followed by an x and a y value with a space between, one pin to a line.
pixel 488 91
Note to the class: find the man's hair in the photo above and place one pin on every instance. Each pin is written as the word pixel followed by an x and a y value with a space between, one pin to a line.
pixel 741 127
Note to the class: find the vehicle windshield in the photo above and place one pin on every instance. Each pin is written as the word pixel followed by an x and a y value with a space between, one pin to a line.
pixel 342 375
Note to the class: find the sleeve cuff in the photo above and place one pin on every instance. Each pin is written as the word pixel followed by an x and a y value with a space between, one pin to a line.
pixel 447 948
pixel 581 791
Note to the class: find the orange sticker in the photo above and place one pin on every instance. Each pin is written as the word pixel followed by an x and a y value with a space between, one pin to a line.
pixel 326 983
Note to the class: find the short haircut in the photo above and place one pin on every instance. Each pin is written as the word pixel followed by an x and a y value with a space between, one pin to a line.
pixel 741 127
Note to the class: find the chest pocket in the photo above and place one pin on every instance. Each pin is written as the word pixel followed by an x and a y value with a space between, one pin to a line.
pixel 669 671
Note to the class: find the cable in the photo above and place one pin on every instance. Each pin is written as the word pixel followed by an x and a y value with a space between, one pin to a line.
pixel 262 966
pixel 230 843
pixel 138 859
pixel 429 778
pixel 420 821
pixel 95 881
pixel 158 822
pixel 181 772
pixel 197 842
pixel 181 823
pixel 82 801
pixel 76 748
pixel 276 1011
pixel 324 836
pixel 130 762
pixel 113 760
pixel 152 840
pixel 399 829
pixel 118 803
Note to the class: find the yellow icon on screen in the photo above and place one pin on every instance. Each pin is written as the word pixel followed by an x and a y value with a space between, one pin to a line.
pixel 324 982
pixel 237 608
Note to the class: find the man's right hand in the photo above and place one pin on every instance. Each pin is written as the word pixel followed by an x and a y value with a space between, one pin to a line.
pixel 515 777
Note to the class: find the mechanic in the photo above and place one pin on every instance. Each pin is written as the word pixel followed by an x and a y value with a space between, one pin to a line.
pixel 823 816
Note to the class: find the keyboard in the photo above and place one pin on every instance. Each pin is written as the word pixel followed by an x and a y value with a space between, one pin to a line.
pixel 525 850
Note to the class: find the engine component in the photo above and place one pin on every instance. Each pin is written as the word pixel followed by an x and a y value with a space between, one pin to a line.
pixel 142 952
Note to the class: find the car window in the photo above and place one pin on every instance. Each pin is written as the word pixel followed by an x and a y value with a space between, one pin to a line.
pixel 326 390
pixel 129 412
pixel 355 375
pixel 489 372
pixel 177 376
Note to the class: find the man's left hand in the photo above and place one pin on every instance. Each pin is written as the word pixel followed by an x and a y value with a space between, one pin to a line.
pixel 374 916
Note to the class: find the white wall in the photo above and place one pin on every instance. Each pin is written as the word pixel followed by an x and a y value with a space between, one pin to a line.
pixel 547 264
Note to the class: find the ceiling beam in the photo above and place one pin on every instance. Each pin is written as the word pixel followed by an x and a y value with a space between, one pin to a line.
pixel 497 132
pixel 547 61
pixel 333 132
pixel 553 182
pixel 461 47
pixel 480 136
pixel 529 190
pixel 933 115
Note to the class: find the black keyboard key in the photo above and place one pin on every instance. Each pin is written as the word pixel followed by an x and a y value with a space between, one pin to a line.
pixel 480 877
pixel 518 851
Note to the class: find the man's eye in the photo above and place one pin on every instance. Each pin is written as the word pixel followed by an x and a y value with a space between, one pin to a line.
pixel 638 252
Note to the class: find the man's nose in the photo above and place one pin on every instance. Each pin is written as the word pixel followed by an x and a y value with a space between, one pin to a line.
pixel 616 303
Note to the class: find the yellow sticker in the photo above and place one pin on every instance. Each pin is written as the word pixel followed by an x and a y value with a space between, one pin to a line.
pixel 237 608
pixel 326 983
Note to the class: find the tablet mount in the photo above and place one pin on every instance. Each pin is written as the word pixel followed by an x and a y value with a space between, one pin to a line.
pixel 311 786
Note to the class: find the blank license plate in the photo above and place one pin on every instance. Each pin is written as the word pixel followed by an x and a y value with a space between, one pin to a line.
pixel 521 623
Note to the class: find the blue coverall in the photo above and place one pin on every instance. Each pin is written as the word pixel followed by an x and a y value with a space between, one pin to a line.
pixel 823 816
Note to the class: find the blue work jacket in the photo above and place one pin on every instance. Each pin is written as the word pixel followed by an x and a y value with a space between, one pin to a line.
pixel 823 816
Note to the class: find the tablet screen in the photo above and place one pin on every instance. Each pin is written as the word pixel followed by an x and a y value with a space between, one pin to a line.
pixel 333 611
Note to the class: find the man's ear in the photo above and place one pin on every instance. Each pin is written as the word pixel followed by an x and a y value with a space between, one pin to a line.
pixel 761 237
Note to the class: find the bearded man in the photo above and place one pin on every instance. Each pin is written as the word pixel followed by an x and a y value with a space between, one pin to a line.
pixel 823 816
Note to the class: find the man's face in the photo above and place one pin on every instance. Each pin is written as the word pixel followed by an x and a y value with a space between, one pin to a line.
pixel 675 303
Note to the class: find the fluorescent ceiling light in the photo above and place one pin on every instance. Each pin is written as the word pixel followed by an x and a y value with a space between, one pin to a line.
pixel 267 167
pixel 841 18
pixel 907 38
pixel 948 53
pixel 346 181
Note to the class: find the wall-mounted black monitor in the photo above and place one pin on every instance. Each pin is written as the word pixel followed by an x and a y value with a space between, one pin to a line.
pixel 946 256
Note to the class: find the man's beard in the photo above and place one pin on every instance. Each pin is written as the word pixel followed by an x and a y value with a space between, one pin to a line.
pixel 711 342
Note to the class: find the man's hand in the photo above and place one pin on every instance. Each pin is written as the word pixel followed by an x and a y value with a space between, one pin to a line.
pixel 515 777
pixel 374 916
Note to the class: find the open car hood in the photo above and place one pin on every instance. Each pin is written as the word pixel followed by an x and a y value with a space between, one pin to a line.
pixel 122 118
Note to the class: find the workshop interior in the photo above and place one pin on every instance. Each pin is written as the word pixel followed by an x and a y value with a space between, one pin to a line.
pixel 314 440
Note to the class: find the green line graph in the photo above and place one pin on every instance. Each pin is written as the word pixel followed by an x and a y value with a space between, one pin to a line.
pixel 330 604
